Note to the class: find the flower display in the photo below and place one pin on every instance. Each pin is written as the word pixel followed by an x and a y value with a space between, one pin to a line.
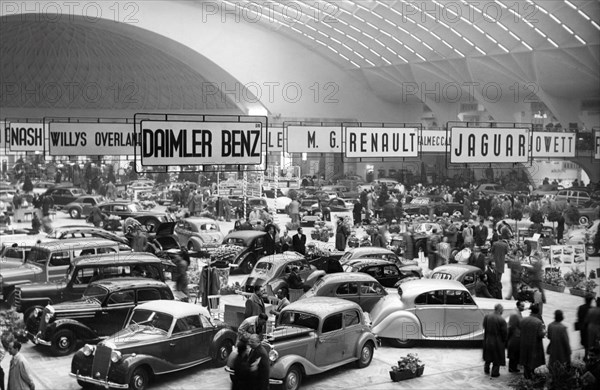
pixel 586 285
pixel 227 252
pixel 554 278
pixel 410 362
pixel 574 277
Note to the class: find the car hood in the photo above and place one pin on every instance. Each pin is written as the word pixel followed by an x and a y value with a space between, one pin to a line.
pixel 134 335
pixel 211 237
pixel 37 289
pixel 78 305
pixel 486 305
pixel 22 270
pixel 6 263
pixel 384 307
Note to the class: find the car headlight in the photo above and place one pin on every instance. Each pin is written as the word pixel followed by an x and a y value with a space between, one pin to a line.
pixel 115 356
pixel 49 313
pixel 273 355
pixel 88 349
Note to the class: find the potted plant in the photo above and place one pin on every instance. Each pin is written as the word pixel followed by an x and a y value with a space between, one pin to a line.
pixel 572 278
pixel 584 288
pixel 409 366
pixel 554 281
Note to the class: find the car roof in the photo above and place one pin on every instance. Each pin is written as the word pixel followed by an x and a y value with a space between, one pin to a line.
pixel 281 258
pixel 369 249
pixel 197 220
pixel 365 261
pixel 176 309
pixel 455 269
pixel 120 283
pixel 117 258
pixel 347 277
pixel 77 242
pixel 322 306
pixel 420 286
pixel 21 240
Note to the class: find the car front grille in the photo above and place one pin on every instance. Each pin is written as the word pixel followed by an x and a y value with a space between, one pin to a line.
pixel 18 299
pixel 101 364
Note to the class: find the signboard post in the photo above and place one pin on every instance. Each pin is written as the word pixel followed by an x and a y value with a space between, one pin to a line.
pixel 489 145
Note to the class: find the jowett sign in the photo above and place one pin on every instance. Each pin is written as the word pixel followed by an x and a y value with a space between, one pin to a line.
pixel 381 142
pixel 489 145
pixel 200 143
pixel 26 137
pixel 546 144
pixel 316 139
pixel 91 139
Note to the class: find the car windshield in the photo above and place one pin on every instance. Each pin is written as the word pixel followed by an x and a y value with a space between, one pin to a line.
pixel 135 207
pixel 209 227
pixel 265 267
pixel 37 254
pixel 346 256
pixel 235 241
pixel 151 318
pixel 95 292
pixel 12 252
pixel 441 275
pixel 304 320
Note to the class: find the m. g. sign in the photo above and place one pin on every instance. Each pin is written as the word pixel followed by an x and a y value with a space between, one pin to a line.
pixel 489 145
pixel 91 139
pixel 200 143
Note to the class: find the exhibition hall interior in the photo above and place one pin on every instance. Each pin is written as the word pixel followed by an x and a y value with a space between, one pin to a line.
pixel 328 193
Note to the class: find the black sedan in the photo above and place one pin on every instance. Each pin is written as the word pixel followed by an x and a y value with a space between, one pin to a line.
pixel 387 273
pixel 125 209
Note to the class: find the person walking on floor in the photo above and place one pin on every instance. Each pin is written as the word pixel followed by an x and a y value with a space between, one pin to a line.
pixel 255 304
pixel 494 341
pixel 259 364
pixel 19 376
pixel 559 348
pixel 514 337
pixel 532 347
pixel 582 312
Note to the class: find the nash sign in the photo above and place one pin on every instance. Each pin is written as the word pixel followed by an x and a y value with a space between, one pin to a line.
pixel 200 143
pixel 381 142
pixel 489 145
pixel 91 139
pixel 26 137
pixel 314 139
pixel 553 144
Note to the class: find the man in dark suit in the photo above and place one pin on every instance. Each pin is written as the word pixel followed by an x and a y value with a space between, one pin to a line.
pixel 493 280
pixel 299 242
pixel 255 304
pixel 259 364
pixel 480 232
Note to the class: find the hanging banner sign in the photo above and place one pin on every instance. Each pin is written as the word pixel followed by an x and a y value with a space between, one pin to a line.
pixel 489 145
pixel 381 142
pixel 547 144
pixel 314 139
pixel 200 143
pixel 275 139
pixel 26 137
pixel 597 144
pixel 434 141
pixel 91 139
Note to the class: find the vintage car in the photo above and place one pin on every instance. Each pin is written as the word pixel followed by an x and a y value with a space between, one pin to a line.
pixel 61 195
pixel 466 274
pixel 84 231
pixel 86 269
pixel 384 271
pixel 157 339
pixel 315 335
pixel 272 271
pixel 198 234
pixel 14 251
pixel 125 209
pixel 49 261
pixel 100 312
pixel 421 234
pixel 428 309
pixel 431 204
pixel 242 248
pixel 309 213
pixel 491 189
pixel 82 206
pixel 589 213
pixel 373 252
pixel 357 287
pixel 277 203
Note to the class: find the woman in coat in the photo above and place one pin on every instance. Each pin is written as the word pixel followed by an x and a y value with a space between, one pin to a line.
pixel 559 348
pixel 532 348
pixel 341 236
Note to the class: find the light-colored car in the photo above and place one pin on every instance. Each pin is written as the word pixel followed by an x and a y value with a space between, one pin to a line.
pixel 589 213
pixel 198 233
pixel 357 287
pixel 431 309
pixel 373 252
pixel 315 335
pixel 576 197
pixel 466 274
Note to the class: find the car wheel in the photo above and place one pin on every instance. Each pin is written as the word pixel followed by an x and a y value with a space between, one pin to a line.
pixel 584 220
pixel 403 343
pixel 248 265
pixel 223 352
pixel 190 246
pixel 366 355
pixel 139 379
pixel 74 213
pixel 293 378
pixel 63 342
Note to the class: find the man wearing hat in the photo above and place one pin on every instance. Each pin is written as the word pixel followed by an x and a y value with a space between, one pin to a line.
pixel 477 258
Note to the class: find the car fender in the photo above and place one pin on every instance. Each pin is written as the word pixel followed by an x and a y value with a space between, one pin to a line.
pixel 242 257
pixel 366 336
pixel 281 366
pixel 411 268
pixel 198 243
pixel 399 324
pixel 312 278
pixel 221 335
pixel 82 331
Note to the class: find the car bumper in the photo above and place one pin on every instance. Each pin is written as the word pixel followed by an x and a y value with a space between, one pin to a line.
pixel 272 381
pixel 99 382
pixel 39 341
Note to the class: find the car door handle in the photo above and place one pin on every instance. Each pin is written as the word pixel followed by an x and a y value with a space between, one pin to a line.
pixel 172 344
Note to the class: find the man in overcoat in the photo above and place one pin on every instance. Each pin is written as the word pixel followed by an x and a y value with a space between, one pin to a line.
pixel 255 304
pixel 514 337
pixel 494 341
pixel 559 348
pixel 532 348
pixel 259 364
